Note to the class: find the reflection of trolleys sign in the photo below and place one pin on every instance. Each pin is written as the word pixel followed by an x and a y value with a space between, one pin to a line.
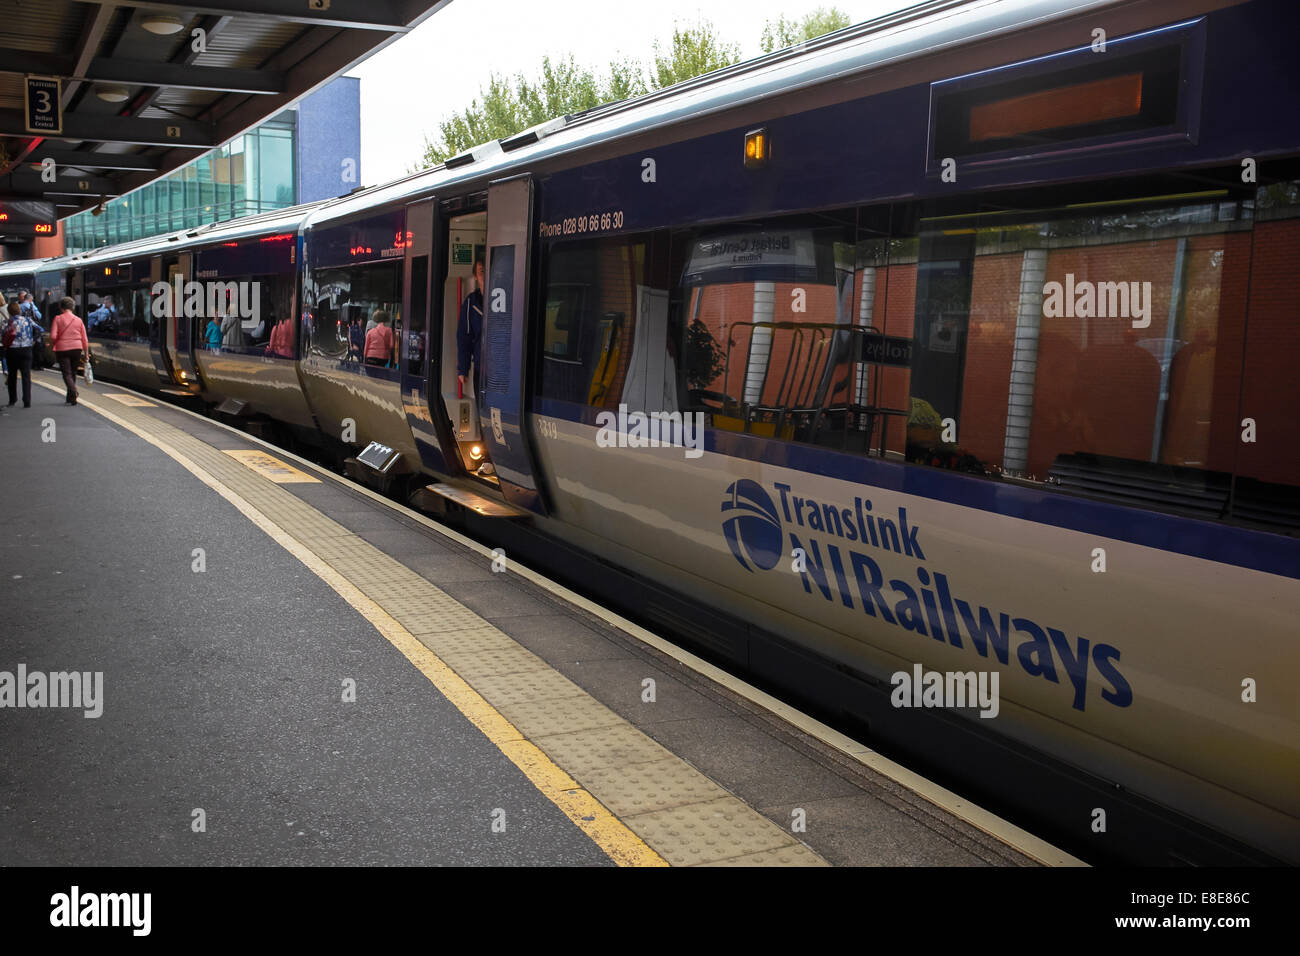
pixel 887 350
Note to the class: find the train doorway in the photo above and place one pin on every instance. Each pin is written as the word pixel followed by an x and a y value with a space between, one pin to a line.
pixel 460 380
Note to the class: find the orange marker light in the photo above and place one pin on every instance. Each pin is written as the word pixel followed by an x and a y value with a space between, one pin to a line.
pixel 758 148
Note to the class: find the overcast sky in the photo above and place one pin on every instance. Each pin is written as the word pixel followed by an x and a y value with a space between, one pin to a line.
pixel 435 70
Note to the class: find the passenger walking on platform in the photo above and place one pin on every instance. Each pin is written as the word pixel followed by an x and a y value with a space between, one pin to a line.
pixel 469 328
pixel 19 336
pixel 4 352
pixel 68 339
pixel 379 341
pixel 36 315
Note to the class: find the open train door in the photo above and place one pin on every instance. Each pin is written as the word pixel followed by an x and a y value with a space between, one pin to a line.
pixel 160 332
pixel 171 341
pixel 431 432
pixel 503 344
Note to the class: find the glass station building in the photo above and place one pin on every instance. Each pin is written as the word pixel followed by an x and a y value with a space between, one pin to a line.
pixel 310 151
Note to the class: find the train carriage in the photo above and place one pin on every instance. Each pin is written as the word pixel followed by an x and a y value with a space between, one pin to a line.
pixel 17 275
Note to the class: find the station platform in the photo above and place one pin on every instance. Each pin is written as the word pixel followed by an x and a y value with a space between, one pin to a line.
pixel 299 671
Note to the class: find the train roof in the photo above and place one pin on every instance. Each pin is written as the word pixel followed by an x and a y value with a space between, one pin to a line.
pixel 279 220
pixel 20 266
pixel 923 30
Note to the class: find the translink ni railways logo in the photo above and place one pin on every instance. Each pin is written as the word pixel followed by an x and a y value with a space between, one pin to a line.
pixel 751 525
pixel 845 561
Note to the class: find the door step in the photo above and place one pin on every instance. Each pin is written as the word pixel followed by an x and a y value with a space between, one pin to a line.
pixel 467 496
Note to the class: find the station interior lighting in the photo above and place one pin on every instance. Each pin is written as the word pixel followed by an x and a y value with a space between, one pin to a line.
pixel 112 94
pixel 163 26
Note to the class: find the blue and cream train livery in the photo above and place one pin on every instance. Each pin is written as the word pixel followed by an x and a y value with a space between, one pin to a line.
pixel 963 341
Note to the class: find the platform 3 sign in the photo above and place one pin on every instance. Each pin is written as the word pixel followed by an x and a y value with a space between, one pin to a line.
pixel 42 97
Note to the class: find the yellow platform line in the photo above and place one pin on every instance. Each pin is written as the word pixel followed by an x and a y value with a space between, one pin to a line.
pixel 604 829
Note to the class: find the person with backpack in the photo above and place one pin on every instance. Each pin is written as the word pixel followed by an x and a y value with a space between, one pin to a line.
pixel 68 339
pixel 20 335
pixel 28 306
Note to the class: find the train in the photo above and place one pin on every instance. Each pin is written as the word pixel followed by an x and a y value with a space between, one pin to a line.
pixel 960 342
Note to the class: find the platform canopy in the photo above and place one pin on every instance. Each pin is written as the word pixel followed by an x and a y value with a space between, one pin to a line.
pixel 144 87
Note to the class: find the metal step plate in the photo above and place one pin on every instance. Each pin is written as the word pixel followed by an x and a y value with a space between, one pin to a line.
pixel 476 502
pixel 233 407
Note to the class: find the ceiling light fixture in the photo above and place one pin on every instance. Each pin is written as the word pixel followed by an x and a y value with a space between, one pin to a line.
pixel 112 94
pixel 163 26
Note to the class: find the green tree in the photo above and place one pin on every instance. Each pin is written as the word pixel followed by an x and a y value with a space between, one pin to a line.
pixel 781 33
pixel 512 104
pixel 626 80
pixel 695 51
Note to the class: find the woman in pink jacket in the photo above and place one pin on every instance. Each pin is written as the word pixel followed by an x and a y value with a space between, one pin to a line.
pixel 68 339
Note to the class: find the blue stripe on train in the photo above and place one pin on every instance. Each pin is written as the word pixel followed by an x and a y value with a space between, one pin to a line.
pixel 1213 541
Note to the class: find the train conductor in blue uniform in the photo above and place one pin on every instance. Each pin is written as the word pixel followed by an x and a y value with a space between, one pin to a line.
pixel 469 329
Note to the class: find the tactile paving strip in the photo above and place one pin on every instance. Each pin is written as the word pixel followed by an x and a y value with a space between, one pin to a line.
pixel 674 808
pixel 646 787
pixel 784 856
pixel 708 832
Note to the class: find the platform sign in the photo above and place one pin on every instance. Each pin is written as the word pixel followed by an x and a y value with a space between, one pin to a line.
pixel 15 210
pixel 42 97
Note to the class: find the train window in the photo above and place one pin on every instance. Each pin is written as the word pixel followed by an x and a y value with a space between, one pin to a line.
pixel 252 317
pixel 1266 432
pixel 772 336
pixel 1102 350
pixel 343 305
pixel 607 339
pixel 1099 350
pixel 1048 336
pixel 121 313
